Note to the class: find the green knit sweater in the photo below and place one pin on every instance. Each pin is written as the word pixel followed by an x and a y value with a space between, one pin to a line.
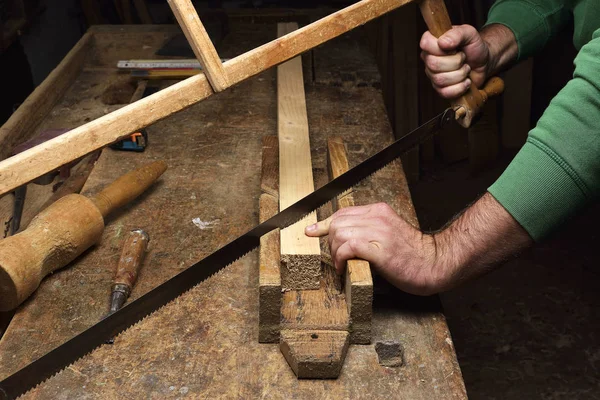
pixel 557 172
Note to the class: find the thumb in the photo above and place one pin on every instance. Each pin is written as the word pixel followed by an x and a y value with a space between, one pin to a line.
pixel 321 228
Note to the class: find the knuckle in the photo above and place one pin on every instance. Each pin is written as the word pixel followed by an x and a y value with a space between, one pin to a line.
pixel 438 80
pixel 353 244
pixel 333 225
pixel 446 92
pixel 433 63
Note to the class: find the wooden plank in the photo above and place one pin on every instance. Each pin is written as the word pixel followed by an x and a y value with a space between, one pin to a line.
pixel 315 354
pixel 22 123
pixel 269 274
pixel 358 286
pixel 200 42
pixel 300 254
pixel 30 164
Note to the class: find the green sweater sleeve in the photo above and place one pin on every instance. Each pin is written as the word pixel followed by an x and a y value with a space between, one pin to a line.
pixel 557 172
pixel 533 22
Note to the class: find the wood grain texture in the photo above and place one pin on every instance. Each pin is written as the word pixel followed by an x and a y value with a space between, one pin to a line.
pixel 30 164
pixel 300 254
pixel 358 282
pixel 317 354
pixel 20 127
pixel 200 42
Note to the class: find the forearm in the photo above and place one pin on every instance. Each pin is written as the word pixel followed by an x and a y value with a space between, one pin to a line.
pixel 476 242
pixel 502 46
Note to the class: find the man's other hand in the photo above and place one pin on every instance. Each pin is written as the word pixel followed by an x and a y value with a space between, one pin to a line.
pixel 454 59
pixel 402 254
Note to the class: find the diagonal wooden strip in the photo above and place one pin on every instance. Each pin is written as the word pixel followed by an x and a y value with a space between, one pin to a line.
pixel 200 42
pixel 78 142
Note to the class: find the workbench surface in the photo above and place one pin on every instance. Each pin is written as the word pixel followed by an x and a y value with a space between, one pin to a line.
pixel 205 343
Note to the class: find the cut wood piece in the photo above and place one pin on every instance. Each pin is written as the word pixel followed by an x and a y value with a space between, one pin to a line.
pixel 358 286
pixel 315 354
pixel 269 276
pixel 200 42
pixel 316 309
pixel 269 180
pixel 300 254
pixel 50 155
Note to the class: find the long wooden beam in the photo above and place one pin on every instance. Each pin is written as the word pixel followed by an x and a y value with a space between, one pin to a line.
pixel 200 42
pixel 28 165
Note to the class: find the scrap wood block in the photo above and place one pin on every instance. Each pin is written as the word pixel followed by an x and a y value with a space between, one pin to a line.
pixel 300 254
pixel 315 354
pixel 358 286
pixel 269 274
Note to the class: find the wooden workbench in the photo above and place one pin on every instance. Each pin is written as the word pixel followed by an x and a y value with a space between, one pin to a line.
pixel 204 344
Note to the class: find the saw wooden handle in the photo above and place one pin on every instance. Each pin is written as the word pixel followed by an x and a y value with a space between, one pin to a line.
pixel 469 104
pixel 128 187
pixel 61 232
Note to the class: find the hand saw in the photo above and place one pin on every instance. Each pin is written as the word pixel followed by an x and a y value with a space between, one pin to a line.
pixel 43 368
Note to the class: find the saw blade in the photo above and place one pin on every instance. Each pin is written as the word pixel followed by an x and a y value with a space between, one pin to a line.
pixel 54 361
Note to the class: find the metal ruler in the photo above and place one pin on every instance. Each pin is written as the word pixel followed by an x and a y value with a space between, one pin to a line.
pixel 161 64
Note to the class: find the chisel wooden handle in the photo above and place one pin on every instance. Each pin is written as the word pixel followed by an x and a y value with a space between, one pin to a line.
pixel 469 104
pixel 61 232
pixel 134 250
pixel 128 268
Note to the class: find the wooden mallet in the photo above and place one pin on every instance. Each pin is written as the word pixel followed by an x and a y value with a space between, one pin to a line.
pixel 63 231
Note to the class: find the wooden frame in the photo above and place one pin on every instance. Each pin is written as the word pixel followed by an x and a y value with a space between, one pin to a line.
pixel 28 165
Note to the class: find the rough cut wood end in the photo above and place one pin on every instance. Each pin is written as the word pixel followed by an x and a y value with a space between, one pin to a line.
pixel 300 271
pixel 315 354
